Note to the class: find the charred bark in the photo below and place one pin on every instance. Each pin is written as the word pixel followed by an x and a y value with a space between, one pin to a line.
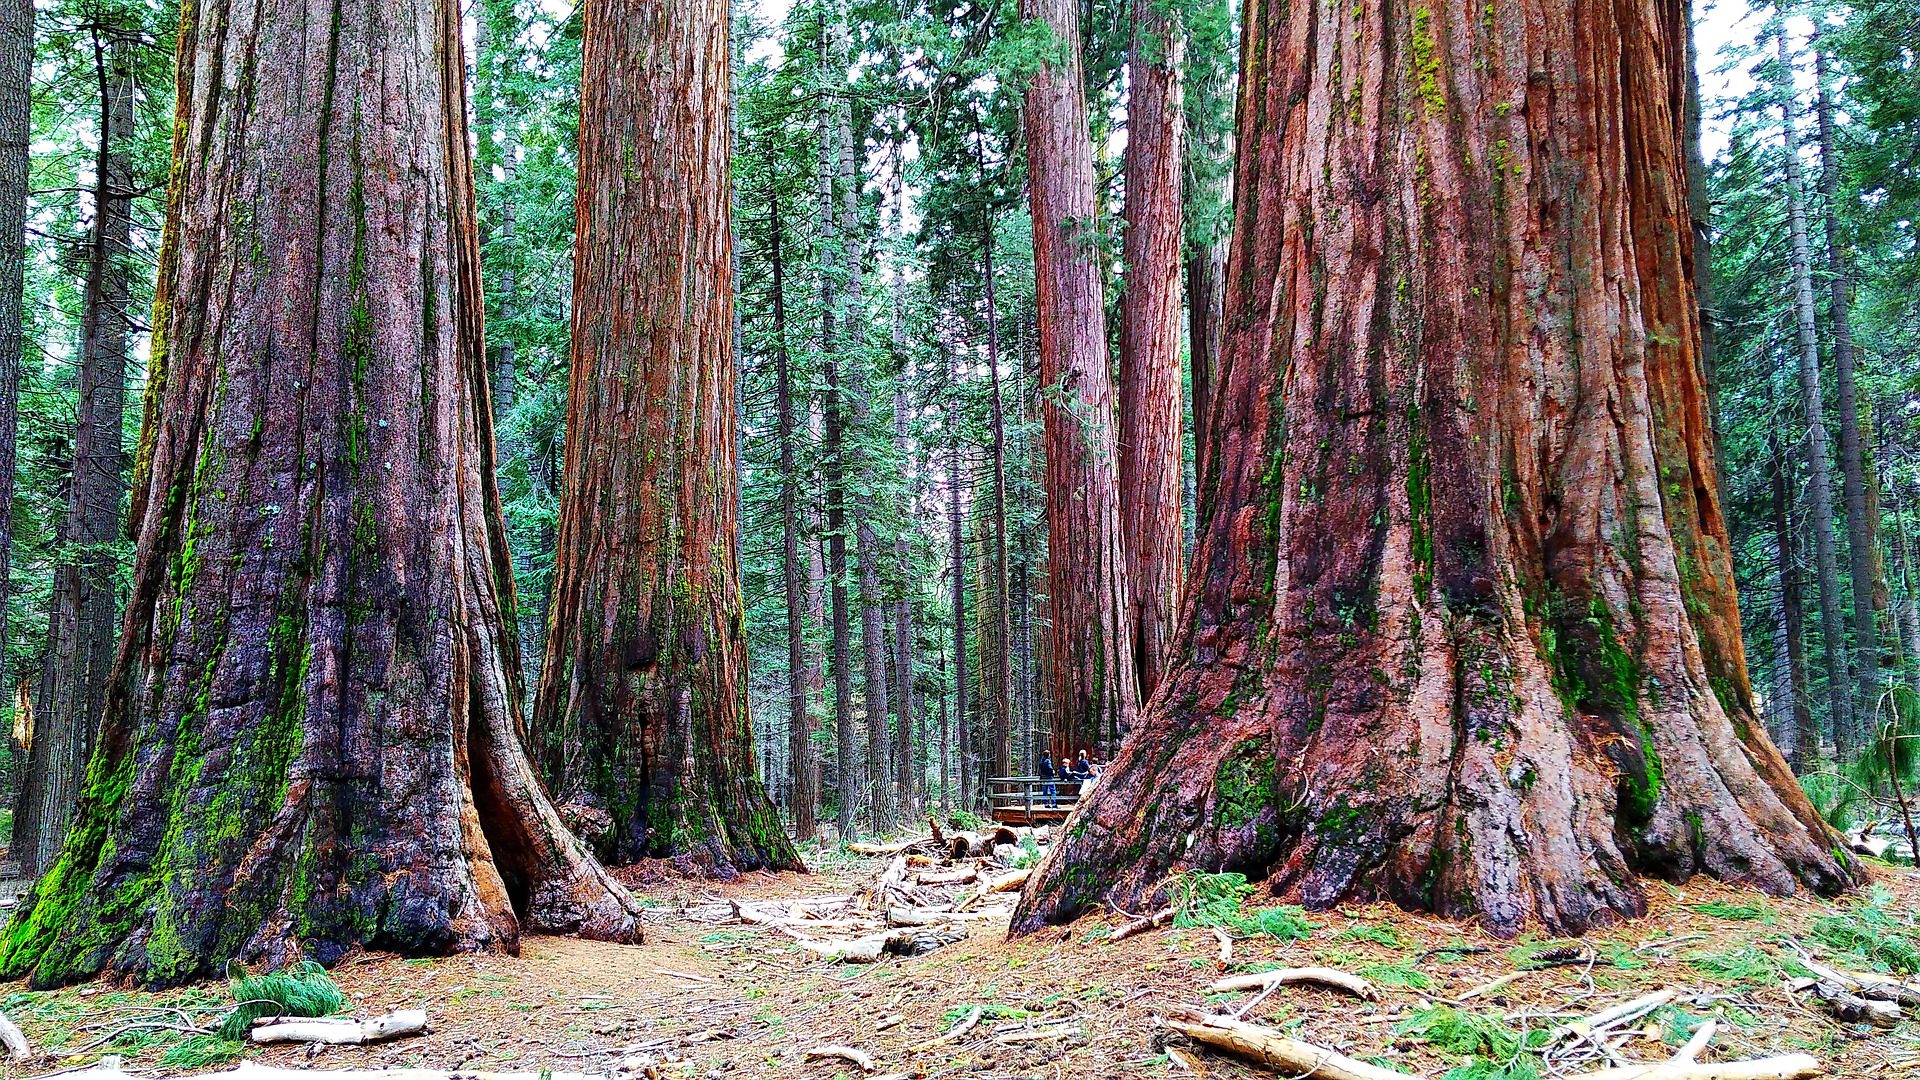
pixel 1095 692
pixel 643 707
pixel 1151 399
pixel 1461 631
pixel 311 737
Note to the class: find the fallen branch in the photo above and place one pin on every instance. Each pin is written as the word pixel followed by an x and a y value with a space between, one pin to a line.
pixel 989 886
pixel 967 1023
pixel 1141 925
pixel 1609 1017
pixel 1497 984
pixel 1039 1034
pixel 337 1032
pixel 1281 1053
pixel 109 1069
pixel 845 1053
pixel 1226 946
pixel 1849 1007
pixel 1323 976
pixel 15 1042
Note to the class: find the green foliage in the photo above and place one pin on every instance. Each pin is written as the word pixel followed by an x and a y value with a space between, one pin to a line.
pixel 202 1052
pixel 1381 934
pixel 1458 1031
pixel 302 990
pixel 1403 976
pixel 1721 909
pixel 1871 936
pixel 1203 899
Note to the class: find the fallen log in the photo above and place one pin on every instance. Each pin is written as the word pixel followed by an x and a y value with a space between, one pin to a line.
pixel 845 1053
pixel 14 1040
pixel 1141 925
pixel 966 876
pixel 1322 976
pixel 989 886
pixel 1849 1007
pixel 1784 1067
pixel 1281 1053
pixel 341 1032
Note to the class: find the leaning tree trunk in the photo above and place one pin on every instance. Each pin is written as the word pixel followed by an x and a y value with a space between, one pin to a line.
pixel 311 740
pixel 1461 632
pixel 1151 398
pixel 642 710
pixel 1094 689
pixel 84 614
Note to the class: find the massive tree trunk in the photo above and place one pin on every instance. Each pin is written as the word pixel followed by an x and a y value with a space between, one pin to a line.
pixel 643 707
pixel 803 769
pixel 1462 631
pixel 85 616
pixel 311 740
pixel 1151 399
pixel 1095 693
pixel 1846 734
pixel 1862 543
pixel 16 131
pixel 1805 747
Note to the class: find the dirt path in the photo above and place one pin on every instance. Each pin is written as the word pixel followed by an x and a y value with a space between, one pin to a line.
pixel 702 999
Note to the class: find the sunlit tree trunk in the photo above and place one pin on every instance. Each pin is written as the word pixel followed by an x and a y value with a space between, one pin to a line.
pixel 1461 632
pixel 1152 402
pixel 643 707
pixel 311 739
pixel 1094 689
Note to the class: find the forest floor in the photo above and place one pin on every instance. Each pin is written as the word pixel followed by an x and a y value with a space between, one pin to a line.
pixel 706 998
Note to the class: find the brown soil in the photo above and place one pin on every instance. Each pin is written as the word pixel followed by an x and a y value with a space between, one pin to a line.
pixel 702 999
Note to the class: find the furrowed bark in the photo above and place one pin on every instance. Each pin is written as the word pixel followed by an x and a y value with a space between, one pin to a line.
pixel 311 738
pixel 84 613
pixel 643 709
pixel 1847 734
pixel 1460 632
pixel 1151 398
pixel 1095 692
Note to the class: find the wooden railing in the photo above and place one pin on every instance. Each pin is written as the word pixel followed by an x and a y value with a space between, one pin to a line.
pixel 1028 800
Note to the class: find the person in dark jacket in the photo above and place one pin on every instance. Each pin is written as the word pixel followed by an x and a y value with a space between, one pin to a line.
pixel 1049 789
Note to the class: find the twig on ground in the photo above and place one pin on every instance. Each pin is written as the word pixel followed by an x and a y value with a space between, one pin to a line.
pixel 1141 925
pixel 845 1053
pixel 1323 976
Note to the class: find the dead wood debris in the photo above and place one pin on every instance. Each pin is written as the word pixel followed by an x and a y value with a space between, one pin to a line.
pixel 339 1031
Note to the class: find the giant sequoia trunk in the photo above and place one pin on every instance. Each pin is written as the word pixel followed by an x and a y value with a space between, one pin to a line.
pixel 1151 399
pixel 84 614
pixel 642 709
pixel 1461 628
pixel 1094 689
pixel 311 739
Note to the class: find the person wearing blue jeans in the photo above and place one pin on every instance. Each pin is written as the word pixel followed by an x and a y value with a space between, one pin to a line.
pixel 1049 789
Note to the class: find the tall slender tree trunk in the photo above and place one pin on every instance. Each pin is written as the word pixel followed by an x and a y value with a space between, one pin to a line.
pixel 1207 99
pixel 84 618
pixel 803 770
pixel 311 736
pixel 1862 544
pixel 956 546
pixel 1806 748
pixel 1422 658
pixel 1700 215
pixel 1847 736
pixel 16 132
pixel 643 707
pixel 906 736
pixel 1095 692
pixel 999 666
pixel 1152 402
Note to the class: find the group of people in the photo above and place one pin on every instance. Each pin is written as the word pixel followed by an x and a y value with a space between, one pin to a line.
pixel 1079 769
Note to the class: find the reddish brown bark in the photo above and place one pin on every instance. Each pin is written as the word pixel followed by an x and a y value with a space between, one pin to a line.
pixel 1151 398
pixel 1095 692
pixel 642 710
pixel 311 739
pixel 1461 632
